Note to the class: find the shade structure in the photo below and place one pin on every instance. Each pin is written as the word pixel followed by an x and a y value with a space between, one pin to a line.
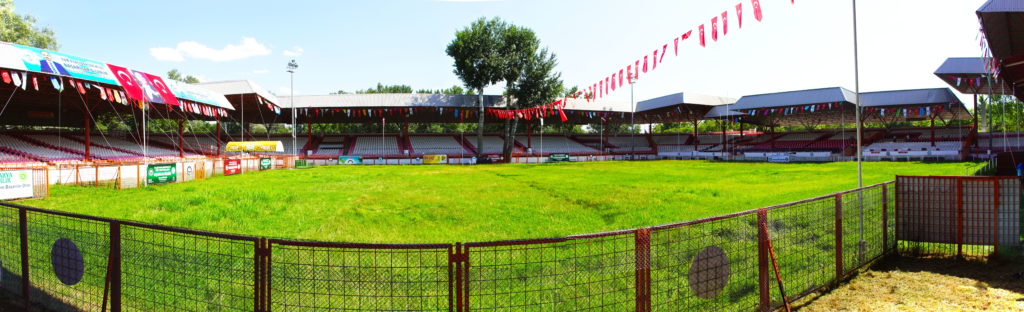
pixel 969 75
pixel 1002 21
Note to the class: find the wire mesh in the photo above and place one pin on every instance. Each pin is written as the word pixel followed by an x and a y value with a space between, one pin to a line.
pixel 68 258
pixel 179 271
pixel 803 236
pixel 729 284
pixel 321 277
pixel 595 273
pixel 10 250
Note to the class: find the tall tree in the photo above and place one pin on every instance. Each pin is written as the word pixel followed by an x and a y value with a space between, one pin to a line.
pixel 537 84
pixel 174 74
pixel 22 29
pixel 381 88
pixel 478 61
pixel 518 49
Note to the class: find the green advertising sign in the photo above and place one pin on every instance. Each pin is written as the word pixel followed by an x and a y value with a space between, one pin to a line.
pixel 266 163
pixel 559 157
pixel 161 173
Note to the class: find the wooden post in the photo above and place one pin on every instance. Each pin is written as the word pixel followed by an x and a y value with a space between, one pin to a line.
pixel 642 250
pixel 762 260
pixel 885 219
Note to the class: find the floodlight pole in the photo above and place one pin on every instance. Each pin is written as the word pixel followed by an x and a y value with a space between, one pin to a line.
pixel 632 120
pixel 857 106
pixel 292 66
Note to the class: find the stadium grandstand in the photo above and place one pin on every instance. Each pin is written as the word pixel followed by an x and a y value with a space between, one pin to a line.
pixel 51 119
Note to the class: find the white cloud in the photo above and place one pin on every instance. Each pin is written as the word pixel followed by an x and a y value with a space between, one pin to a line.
pixel 261 71
pixel 166 54
pixel 248 48
pixel 295 51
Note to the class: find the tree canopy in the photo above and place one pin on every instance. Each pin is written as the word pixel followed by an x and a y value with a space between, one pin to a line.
pixel 174 74
pixel 22 29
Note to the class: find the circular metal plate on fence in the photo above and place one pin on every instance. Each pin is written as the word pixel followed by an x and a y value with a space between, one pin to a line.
pixel 67 261
pixel 709 272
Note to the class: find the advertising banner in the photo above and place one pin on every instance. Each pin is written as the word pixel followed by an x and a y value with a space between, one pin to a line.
pixel 198 94
pixel 19 57
pixel 232 166
pixel 255 146
pixel 266 163
pixel 161 173
pixel 435 159
pixel 15 184
pixel 778 157
pixel 190 171
pixel 559 157
pixel 350 160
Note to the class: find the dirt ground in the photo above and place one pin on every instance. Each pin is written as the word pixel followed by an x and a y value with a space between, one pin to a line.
pixel 930 284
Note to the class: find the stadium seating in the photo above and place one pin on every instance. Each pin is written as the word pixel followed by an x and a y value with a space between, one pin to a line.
pixel 558 144
pixel 436 145
pixel 374 145
pixel 889 148
pixel 672 139
pixel 624 144
pixel 99 148
pixel 38 151
pixel 331 145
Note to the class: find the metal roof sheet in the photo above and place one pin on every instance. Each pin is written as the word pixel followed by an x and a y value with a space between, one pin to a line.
pixel 389 100
pixel 793 98
pixel 233 87
pixel 681 99
pixel 908 97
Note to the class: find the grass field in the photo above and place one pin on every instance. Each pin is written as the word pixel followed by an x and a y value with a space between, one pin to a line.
pixel 426 204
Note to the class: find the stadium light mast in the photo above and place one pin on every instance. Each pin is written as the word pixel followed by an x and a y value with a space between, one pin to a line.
pixel 292 66
pixel 857 106
pixel 632 119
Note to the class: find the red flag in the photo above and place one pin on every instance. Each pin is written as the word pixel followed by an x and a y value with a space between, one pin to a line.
pixel 613 81
pixel 739 14
pixel 6 77
pixel 81 88
pixel 686 35
pixel 664 49
pixel 676 44
pixel 131 87
pixel 714 28
pixel 700 29
pixel 725 23
pixel 629 71
pixel 600 88
pixel 757 9
pixel 161 87
pixel 645 62
pixel 654 60
pixel 620 78
pixel 35 82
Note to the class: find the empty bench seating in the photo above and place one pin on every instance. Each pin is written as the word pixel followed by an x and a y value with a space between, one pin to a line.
pixel 436 145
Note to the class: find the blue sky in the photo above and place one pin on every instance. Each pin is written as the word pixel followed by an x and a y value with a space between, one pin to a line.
pixel 352 45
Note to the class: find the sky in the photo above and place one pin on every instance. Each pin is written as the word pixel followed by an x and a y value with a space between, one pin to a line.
pixel 350 45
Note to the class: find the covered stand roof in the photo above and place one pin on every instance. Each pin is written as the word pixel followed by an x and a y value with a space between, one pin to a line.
pixel 969 76
pixel 1002 21
pixel 251 101
pixel 798 108
pixel 679 107
pixel 49 88
pixel 837 106
pixel 367 108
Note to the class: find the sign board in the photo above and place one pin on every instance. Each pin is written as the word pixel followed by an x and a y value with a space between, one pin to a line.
pixel 559 157
pixel 266 163
pixel 255 146
pixel 350 160
pixel 778 157
pixel 161 173
pixel 232 166
pixel 190 171
pixel 435 159
pixel 15 184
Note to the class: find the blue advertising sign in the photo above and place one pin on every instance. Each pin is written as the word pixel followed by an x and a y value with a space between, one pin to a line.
pixel 19 57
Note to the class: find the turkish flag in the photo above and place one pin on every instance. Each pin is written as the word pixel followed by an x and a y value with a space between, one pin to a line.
pixel 629 71
pixel 561 114
pixel 714 28
pixel 725 23
pixel 700 30
pixel 654 61
pixel 664 49
pixel 757 9
pixel 686 35
pixel 739 14
pixel 620 78
pixel 613 82
pixel 645 61
pixel 676 44
pixel 131 87
pixel 161 87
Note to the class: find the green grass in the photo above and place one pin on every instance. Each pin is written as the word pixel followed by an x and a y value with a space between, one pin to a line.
pixel 428 204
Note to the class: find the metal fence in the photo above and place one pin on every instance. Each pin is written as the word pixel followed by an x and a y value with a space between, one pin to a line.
pixel 65 261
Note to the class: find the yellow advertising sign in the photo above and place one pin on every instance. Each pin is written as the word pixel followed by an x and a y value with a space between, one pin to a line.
pixel 255 146
pixel 435 159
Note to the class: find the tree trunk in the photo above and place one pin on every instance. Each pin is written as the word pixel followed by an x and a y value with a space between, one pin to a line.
pixel 510 138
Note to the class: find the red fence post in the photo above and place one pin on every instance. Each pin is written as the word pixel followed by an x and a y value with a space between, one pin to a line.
pixel 261 275
pixel 762 260
pixel 642 246
pixel 115 267
pixel 839 237
pixel 459 263
pixel 885 219
pixel 25 283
